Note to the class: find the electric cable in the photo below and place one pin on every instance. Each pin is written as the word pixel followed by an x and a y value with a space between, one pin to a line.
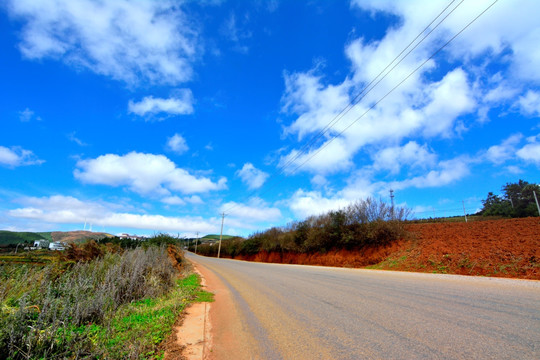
pixel 360 97
pixel 356 99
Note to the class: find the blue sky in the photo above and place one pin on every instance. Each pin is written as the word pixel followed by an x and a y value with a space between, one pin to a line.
pixel 143 117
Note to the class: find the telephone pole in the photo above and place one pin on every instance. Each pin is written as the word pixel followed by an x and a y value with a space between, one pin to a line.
pixel 464 212
pixel 220 234
pixel 536 199
pixel 392 199
pixel 196 242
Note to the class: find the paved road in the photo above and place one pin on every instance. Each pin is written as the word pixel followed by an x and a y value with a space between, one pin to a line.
pixel 307 312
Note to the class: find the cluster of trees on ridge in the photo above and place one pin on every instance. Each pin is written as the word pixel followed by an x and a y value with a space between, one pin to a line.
pixel 517 200
pixel 364 223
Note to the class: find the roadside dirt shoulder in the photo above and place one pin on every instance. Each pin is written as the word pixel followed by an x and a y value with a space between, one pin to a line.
pixel 213 331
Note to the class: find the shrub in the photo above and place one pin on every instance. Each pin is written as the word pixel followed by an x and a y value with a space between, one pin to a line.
pixel 367 222
pixel 47 317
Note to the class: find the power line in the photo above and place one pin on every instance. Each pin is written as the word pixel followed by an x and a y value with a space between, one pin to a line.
pixel 363 93
pixel 367 89
pixel 395 87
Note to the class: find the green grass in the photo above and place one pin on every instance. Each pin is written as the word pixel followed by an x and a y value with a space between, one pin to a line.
pixel 148 321
pixel 389 263
pixel 37 257
pixel 216 237
pixel 46 235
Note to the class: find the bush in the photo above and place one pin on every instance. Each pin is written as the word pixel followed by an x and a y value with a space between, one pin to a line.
pixel 48 316
pixel 368 222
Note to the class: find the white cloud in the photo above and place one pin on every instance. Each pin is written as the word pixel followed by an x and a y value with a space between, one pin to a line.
pixel 251 176
pixel 177 144
pixel 307 203
pixel 255 210
pixel 531 151
pixel 333 155
pixel 60 209
pixel 530 103
pixel 448 171
pixel 319 180
pixel 176 200
pixel 434 101
pixel 17 156
pixel 26 115
pixel 126 40
pixel 498 154
pixel 144 174
pixel 73 137
pixel 420 111
pixel 234 30
pixel 194 199
pixel 315 103
pixel 173 200
pixel 180 104
pixel 506 26
pixel 512 169
pixel 393 158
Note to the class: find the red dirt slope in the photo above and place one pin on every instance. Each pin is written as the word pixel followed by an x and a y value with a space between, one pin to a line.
pixel 502 248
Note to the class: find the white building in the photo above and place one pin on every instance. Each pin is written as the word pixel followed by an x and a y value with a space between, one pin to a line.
pixel 41 244
pixel 57 245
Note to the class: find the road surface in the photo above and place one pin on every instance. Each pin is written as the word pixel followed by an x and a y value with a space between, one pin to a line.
pixel 308 312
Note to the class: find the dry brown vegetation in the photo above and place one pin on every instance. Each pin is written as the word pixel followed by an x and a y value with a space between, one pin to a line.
pixel 77 236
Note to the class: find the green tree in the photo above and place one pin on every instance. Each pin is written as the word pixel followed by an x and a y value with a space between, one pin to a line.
pixel 517 200
pixel 494 205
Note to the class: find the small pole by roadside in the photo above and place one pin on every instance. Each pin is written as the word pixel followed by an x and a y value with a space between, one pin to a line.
pixel 220 234
pixel 392 199
pixel 196 242
pixel 464 212
pixel 536 199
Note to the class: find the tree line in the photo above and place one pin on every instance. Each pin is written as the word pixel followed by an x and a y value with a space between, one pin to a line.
pixel 364 223
pixel 517 200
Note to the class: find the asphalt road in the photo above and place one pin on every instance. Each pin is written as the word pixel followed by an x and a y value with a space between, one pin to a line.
pixel 307 312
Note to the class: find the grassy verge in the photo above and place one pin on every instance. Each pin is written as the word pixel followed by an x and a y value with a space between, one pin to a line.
pixel 111 305
pixel 137 329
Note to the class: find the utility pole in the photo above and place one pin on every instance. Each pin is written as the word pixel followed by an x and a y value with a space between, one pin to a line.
pixel 392 200
pixel 537 206
pixel 220 234
pixel 464 212
pixel 196 242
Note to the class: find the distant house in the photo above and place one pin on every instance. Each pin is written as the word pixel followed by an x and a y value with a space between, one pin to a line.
pixel 41 244
pixel 132 237
pixel 57 245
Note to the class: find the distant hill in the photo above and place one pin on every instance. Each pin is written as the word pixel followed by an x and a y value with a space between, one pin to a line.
pixel 15 237
pixel 78 236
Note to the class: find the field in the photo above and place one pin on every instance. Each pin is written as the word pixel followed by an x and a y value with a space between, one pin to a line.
pixel 501 248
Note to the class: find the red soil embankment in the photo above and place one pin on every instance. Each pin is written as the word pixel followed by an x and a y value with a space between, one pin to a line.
pixel 502 248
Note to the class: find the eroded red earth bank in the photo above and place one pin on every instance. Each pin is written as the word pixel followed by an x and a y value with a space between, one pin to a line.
pixel 502 248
